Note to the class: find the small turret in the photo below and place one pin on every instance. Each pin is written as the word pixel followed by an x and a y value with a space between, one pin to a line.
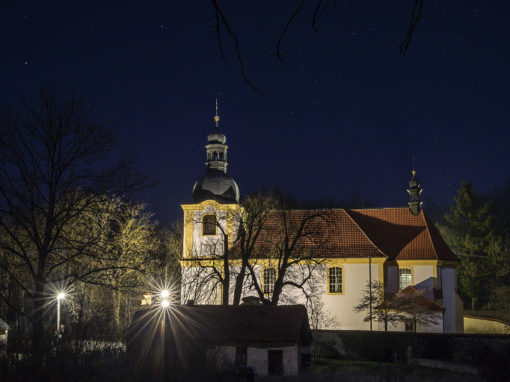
pixel 414 191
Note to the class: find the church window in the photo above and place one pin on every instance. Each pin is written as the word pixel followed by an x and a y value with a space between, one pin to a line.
pixel 209 225
pixel 214 156
pixel 404 277
pixel 220 157
pixel 335 280
pixel 268 279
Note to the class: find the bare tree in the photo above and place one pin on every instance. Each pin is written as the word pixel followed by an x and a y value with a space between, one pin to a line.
pixel 256 209
pixel 53 157
pixel 379 304
pixel 289 243
pixel 210 270
pixel 284 239
pixel 417 308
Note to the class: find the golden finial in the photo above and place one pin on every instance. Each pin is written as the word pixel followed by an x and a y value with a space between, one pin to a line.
pixel 216 117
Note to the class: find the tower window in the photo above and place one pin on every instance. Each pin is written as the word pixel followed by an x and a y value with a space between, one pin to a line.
pixel 335 280
pixel 209 225
pixel 404 278
pixel 269 279
pixel 220 157
pixel 214 156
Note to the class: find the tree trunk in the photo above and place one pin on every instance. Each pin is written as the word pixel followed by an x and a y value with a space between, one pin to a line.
pixel 385 325
pixel 38 340
pixel 116 311
pixel 473 304
pixel 238 288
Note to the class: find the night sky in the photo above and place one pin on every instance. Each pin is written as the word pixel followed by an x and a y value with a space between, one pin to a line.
pixel 343 113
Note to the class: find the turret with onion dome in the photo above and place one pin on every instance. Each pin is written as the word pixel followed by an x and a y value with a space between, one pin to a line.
pixel 216 184
pixel 414 191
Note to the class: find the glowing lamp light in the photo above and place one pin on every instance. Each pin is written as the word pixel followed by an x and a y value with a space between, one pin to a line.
pixel 165 304
pixel 165 293
pixel 61 296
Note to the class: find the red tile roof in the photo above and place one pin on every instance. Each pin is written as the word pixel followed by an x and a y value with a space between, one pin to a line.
pixel 402 235
pixel 394 233
pixel 327 233
pixel 420 298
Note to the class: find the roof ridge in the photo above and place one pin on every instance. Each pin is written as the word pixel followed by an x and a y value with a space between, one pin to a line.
pixel 338 209
pixel 429 235
pixel 364 233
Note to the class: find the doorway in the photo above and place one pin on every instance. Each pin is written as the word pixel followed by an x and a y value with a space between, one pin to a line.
pixel 275 362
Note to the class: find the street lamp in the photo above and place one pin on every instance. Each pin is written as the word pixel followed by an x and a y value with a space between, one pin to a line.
pixel 165 293
pixel 60 296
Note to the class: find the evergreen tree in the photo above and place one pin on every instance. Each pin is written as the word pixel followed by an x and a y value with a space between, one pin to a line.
pixel 470 232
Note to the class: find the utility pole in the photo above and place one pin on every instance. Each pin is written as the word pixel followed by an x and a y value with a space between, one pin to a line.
pixel 370 287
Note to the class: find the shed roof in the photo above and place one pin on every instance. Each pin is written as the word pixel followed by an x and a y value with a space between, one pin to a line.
pixel 240 324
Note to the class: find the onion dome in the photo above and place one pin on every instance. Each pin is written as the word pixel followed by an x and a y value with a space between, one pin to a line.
pixel 216 185
pixel 217 137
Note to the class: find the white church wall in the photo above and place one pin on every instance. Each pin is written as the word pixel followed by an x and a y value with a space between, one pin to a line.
pixel 341 306
pixel 452 304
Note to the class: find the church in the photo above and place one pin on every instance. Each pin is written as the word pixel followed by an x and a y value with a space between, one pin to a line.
pixel 335 254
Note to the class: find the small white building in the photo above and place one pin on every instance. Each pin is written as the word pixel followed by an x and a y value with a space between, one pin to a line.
pixel 271 340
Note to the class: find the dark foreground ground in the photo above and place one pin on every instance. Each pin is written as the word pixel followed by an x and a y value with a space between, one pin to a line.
pixel 115 368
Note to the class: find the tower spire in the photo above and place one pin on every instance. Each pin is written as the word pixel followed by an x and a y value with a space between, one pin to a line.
pixel 414 191
pixel 217 116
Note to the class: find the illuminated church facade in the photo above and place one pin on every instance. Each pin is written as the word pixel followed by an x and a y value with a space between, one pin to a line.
pixel 398 247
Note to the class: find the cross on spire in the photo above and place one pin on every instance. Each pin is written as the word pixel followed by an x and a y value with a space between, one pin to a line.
pixel 217 116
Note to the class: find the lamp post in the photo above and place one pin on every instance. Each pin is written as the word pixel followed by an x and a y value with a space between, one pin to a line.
pixel 165 301
pixel 60 296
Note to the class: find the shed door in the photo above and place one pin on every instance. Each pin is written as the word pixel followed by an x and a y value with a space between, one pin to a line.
pixel 275 362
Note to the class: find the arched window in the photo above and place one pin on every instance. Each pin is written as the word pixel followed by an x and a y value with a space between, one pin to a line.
pixel 335 280
pixel 214 156
pixel 268 279
pixel 404 278
pixel 220 157
pixel 209 224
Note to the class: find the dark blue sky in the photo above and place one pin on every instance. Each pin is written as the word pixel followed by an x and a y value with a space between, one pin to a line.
pixel 343 113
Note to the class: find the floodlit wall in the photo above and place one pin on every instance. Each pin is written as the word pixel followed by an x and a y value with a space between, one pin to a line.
pixel 341 306
pixel 481 325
